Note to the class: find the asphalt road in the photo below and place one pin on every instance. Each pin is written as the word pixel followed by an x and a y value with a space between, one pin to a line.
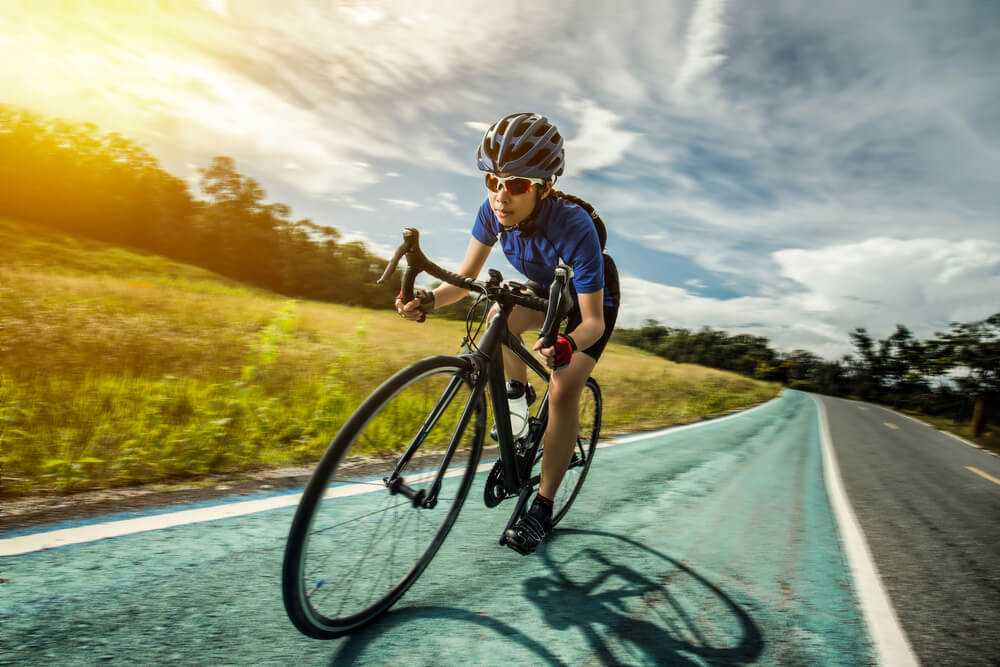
pixel 713 545
pixel 933 526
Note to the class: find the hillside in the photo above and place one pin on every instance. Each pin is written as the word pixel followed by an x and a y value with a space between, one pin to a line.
pixel 119 368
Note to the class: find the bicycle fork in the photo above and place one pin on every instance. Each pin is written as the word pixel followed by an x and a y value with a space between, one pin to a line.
pixel 396 483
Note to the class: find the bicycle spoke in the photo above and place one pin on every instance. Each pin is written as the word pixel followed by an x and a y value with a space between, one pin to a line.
pixel 365 545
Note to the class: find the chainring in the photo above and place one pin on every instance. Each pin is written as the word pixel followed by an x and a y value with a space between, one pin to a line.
pixel 494 491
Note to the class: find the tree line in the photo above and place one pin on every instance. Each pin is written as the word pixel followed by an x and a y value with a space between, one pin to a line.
pixel 76 178
pixel 956 373
pixel 73 177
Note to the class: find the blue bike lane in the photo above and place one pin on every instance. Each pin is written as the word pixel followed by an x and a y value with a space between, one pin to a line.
pixel 707 545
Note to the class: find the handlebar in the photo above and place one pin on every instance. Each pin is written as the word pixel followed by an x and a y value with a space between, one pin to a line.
pixel 555 307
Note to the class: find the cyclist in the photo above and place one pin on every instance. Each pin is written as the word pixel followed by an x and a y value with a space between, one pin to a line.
pixel 537 226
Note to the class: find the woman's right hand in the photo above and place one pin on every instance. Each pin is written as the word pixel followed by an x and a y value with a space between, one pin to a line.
pixel 412 311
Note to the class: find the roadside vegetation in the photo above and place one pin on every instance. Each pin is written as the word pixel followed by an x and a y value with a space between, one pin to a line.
pixel 951 380
pixel 119 368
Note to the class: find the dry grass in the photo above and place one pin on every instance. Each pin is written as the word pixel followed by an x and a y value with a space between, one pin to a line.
pixel 151 370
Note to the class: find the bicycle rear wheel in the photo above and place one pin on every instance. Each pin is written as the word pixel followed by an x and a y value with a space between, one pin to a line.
pixel 588 431
pixel 358 543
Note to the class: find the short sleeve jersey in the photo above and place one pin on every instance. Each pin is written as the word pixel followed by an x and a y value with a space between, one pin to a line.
pixel 562 230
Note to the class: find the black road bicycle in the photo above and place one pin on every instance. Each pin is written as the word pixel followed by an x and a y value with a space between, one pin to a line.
pixel 365 528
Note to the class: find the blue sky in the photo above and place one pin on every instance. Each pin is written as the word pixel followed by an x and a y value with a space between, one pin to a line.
pixel 786 169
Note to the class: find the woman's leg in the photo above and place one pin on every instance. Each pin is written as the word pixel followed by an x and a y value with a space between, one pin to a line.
pixel 565 388
pixel 520 320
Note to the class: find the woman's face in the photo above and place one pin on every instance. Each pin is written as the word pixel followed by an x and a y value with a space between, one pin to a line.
pixel 515 209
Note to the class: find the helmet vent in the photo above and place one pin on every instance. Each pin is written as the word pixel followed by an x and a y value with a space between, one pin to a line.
pixel 537 159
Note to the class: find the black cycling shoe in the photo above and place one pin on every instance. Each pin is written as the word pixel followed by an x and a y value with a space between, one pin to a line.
pixel 525 535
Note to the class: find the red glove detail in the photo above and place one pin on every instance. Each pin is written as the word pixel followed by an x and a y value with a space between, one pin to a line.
pixel 563 347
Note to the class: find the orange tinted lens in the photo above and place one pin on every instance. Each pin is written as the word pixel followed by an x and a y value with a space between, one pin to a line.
pixel 492 183
pixel 518 186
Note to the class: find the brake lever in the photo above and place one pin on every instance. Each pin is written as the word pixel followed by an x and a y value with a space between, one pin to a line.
pixel 394 262
pixel 560 301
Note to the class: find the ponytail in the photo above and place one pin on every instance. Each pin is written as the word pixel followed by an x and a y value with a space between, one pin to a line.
pixel 602 230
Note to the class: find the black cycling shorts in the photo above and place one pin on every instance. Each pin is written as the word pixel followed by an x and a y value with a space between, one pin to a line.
pixel 610 312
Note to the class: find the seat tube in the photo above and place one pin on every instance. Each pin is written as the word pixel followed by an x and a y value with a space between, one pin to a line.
pixel 501 414
pixel 491 345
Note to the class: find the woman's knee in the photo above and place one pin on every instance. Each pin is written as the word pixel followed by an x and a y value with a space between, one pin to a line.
pixel 565 391
pixel 521 319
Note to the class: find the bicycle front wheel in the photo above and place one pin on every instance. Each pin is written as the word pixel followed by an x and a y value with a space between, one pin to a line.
pixel 358 542
pixel 588 431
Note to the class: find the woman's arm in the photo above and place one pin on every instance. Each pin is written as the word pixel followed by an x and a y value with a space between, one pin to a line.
pixel 592 325
pixel 475 258
pixel 589 332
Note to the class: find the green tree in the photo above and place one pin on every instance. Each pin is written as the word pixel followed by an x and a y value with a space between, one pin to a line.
pixel 974 346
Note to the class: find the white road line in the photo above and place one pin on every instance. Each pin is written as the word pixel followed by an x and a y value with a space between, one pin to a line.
pixel 890 641
pixel 16 546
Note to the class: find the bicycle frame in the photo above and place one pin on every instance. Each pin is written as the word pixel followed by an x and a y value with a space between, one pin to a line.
pixel 486 366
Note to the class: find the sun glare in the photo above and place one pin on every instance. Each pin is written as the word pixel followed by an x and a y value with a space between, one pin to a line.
pixel 108 64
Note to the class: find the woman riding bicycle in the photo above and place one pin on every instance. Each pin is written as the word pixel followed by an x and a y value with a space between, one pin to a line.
pixel 537 226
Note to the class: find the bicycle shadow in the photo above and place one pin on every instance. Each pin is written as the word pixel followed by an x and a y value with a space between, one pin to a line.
pixel 632 603
pixel 635 604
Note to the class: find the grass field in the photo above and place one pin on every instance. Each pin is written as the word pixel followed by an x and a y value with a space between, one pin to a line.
pixel 120 368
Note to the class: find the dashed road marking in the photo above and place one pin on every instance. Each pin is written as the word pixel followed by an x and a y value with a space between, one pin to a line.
pixel 892 426
pixel 985 475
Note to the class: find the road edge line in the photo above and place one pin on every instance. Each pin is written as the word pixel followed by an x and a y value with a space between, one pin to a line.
pixel 626 439
pixel 886 632
pixel 102 530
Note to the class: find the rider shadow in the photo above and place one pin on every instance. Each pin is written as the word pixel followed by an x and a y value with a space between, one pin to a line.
pixel 632 603
pixel 635 604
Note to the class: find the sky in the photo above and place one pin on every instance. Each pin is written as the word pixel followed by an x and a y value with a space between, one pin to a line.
pixel 787 169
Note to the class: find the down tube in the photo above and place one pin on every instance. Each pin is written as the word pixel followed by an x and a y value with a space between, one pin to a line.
pixel 474 397
pixel 525 355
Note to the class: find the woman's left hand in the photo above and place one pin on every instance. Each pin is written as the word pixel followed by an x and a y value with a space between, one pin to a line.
pixel 557 356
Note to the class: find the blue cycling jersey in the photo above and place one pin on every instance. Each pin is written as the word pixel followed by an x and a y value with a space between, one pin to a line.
pixel 562 230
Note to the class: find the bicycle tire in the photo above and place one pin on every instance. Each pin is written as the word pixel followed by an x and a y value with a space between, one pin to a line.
pixel 588 432
pixel 339 537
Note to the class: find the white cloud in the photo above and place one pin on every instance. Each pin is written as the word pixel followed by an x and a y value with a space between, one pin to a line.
pixel 363 15
pixel 886 280
pixel 922 283
pixel 402 204
pixel 704 42
pixel 448 201
pixel 598 142
pixel 217 6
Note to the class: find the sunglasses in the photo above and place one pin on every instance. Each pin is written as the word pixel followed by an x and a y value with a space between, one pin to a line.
pixel 515 185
